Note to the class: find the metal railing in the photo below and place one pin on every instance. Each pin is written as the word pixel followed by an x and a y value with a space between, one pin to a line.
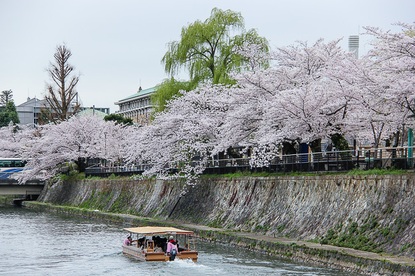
pixel 381 158
pixel 126 170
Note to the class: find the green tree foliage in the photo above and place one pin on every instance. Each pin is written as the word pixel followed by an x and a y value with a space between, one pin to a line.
pixel 119 119
pixel 208 50
pixel 339 141
pixel 9 114
pixel 167 90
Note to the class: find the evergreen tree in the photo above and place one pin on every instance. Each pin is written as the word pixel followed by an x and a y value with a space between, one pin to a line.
pixel 118 119
pixel 6 96
pixel 9 114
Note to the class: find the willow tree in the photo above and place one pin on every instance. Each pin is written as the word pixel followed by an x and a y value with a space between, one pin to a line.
pixel 209 51
pixel 61 93
pixel 167 90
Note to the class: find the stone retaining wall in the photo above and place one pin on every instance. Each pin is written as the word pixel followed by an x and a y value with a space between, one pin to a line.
pixel 380 209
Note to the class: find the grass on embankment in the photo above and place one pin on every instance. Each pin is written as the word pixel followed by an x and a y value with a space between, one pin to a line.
pixel 276 174
pixel 74 175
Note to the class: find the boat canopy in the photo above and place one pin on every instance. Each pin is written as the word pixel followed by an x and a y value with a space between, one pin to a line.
pixel 150 230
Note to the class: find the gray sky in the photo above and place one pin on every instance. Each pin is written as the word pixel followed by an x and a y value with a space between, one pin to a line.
pixel 117 45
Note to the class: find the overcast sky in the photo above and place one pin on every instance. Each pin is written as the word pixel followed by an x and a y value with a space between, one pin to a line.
pixel 117 45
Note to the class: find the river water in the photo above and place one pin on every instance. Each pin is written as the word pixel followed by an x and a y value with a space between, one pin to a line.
pixel 41 243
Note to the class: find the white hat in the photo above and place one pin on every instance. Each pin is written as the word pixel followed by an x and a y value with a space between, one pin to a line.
pixel 171 237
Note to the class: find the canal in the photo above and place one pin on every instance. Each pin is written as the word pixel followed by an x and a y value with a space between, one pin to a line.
pixel 41 243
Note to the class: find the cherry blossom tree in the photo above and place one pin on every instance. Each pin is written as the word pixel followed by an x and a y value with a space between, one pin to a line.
pixel 380 87
pixel 296 99
pixel 307 93
pixel 392 68
pixel 74 140
pixel 13 138
pixel 394 54
pixel 371 116
pixel 181 137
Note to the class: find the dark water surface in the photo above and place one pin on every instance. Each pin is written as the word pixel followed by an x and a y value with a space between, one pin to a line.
pixel 39 243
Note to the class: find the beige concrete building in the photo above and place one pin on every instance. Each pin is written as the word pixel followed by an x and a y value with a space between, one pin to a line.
pixel 138 106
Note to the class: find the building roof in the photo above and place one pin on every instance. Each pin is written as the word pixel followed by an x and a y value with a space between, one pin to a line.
pixel 91 111
pixel 34 102
pixel 151 230
pixel 141 93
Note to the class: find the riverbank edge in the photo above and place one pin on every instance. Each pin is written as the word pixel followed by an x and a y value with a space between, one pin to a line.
pixel 346 259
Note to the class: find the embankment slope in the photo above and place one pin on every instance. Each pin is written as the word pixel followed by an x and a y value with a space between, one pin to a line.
pixel 374 213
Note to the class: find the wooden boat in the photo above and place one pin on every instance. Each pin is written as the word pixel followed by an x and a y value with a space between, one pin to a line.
pixel 149 243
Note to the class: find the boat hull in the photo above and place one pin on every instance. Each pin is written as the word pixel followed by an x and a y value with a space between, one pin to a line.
pixel 142 255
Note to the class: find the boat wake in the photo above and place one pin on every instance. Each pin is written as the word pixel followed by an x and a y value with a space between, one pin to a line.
pixel 188 267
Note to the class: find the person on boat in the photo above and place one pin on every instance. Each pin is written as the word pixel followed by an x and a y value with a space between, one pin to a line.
pixel 140 242
pixel 172 248
pixel 128 241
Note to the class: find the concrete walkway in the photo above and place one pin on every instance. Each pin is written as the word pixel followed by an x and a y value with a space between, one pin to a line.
pixel 402 260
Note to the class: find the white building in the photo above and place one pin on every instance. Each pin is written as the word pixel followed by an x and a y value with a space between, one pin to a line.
pixel 30 112
pixel 354 45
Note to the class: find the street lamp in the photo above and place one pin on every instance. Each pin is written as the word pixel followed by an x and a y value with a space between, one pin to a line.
pixel 105 148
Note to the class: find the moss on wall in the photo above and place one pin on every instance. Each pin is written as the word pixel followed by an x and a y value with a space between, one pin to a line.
pixel 372 213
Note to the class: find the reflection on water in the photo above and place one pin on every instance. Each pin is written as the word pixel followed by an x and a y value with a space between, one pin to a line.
pixel 36 243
